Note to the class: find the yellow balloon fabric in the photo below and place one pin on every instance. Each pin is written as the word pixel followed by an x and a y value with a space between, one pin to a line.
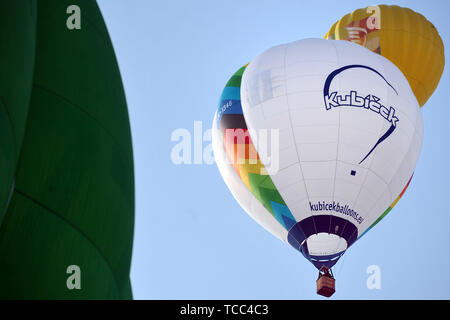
pixel 401 35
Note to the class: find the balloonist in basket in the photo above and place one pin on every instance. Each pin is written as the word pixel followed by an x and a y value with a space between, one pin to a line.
pixel 318 139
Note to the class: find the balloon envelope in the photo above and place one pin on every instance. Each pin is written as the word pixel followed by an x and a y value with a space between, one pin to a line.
pixel 71 198
pixel 349 133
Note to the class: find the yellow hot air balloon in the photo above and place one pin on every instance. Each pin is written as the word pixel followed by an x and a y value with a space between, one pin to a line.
pixel 401 35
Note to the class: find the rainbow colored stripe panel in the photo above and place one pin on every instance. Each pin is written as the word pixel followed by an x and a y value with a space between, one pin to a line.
pixel 242 153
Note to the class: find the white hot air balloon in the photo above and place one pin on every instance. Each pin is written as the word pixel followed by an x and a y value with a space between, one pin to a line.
pixel 350 133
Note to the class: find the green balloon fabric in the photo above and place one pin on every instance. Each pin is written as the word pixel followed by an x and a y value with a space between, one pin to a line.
pixel 17 41
pixel 72 202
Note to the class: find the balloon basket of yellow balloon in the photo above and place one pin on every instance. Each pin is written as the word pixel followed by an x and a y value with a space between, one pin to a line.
pixel 325 283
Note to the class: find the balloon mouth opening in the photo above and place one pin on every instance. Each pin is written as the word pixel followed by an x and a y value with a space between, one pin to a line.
pixel 322 239
pixel 325 244
pixel 323 250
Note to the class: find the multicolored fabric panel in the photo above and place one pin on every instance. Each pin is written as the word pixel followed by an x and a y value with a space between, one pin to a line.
pixel 362 30
pixel 389 208
pixel 243 155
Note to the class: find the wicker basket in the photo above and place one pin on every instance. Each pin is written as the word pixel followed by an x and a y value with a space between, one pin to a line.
pixel 325 286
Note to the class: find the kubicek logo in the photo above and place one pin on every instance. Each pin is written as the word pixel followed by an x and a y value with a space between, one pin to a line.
pixel 370 102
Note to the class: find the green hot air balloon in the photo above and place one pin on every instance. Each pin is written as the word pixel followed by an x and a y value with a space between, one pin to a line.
pixel 66 162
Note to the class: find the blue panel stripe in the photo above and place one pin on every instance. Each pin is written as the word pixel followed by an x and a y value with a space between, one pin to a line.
pixel 231 93
pixel 229 106
pixel 283 215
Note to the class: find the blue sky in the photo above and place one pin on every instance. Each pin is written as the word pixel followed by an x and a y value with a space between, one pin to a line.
pixel 192 239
